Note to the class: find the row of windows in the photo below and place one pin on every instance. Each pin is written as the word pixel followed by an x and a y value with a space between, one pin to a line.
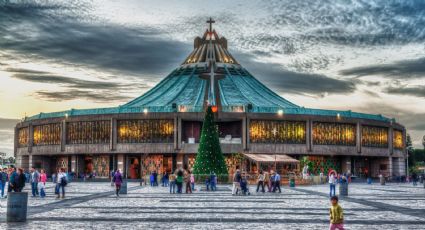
pixel 88 132
pixel 161 131
pixel 289 132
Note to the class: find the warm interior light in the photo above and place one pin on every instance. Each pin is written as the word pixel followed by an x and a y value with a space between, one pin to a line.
pixel 280 112
pixel 145 110
pixel 214 109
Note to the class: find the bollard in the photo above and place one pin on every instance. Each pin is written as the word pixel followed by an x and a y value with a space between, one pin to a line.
pixel 382 180
pixel 292 183
pixel 123 189
pixel 17 203
pixel 343 189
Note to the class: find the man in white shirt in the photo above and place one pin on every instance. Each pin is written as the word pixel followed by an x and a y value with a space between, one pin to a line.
pixel 332 182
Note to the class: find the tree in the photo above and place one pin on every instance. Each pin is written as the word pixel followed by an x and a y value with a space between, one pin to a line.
pixel 209 158
pixel 409 146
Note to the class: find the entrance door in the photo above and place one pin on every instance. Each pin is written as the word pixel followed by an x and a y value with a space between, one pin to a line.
pixel 133 169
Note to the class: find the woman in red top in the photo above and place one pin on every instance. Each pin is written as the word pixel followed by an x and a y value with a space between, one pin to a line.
pixel 42 183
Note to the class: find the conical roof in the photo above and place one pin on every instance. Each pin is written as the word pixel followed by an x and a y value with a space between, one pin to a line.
pixel 210 75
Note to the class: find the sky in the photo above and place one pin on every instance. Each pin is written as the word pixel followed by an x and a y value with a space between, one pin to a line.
pixel 360 55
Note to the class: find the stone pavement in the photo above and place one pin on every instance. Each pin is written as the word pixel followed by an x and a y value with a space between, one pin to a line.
pixel 93 206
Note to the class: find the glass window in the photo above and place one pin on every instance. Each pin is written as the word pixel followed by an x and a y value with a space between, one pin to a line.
pixel 23 137
pixel 88 132
pixel 145 131
pixel 283 132
pixel 373 136
pixel 49 134
pixel 325 133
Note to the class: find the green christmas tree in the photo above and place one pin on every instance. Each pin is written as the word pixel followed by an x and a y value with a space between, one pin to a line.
pixel 209 158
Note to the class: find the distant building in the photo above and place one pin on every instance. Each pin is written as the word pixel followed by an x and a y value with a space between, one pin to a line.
pixel 160 129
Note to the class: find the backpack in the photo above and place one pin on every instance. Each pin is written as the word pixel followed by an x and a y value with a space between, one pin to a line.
pixel 3 177
pixel 64 182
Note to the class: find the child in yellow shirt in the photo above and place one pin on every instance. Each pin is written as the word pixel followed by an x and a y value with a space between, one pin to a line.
pixel 336 215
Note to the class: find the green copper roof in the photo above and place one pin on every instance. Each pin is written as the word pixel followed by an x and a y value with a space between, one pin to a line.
pixel 210 75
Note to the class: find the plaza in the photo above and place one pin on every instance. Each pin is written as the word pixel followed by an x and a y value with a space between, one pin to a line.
pixel 93 205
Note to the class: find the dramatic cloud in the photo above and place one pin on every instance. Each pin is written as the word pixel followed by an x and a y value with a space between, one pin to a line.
pixel 79 94
pixel 417 91
pixel 6 135
pixel 276 77
pixel 402 69
pixel 54 33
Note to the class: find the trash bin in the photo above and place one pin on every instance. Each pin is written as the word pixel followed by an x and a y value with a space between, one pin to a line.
pixel 343 189
pixel 123 189
pixel 382 180
pixel 369 180
pixel 292 183
pixel 17 203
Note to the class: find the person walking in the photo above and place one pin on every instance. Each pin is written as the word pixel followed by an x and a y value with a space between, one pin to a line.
pixel 336 215
pixel 172 179
pixel 61 183
pixel 332 182
pixel 276 182
pixel 272 175
pixel 415 179
pixel 20 183
pixel 3 180
pixel 213 181
pixel 165 179
pixel 13 178
pixel 267 181
pixel 155 178
pixel 236 182
pixel 117 179
pixel 111 175
pixel 187 181
pixel 152 179
pixel 42 183
pixel 179 180
pixel 260 181
pixel 34 179
pixel 192 181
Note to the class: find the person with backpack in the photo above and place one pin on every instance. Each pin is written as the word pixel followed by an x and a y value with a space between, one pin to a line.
pixel 179 180
pixel 117 179
pixel 3 179
pixel 21 179
pixel 42 183
pixel 34 178
pixel 61 183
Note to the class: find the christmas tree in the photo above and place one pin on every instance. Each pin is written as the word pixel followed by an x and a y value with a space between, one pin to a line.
pixel 209 158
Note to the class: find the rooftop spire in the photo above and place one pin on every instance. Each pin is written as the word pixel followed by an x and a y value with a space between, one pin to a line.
pixel 210 21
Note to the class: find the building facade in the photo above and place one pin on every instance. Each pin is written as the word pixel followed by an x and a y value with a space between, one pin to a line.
pixel 160 129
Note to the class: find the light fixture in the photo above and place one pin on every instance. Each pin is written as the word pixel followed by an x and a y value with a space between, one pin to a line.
pixel 280 112
pixel 338 115
pixel 66 115
pixel 145 110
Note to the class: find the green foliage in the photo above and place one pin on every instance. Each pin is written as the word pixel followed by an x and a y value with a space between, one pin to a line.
pixel 209 158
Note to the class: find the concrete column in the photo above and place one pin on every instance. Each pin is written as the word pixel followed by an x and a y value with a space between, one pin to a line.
pixel 359 137
pixel 113 135
pixel 390 141
pixel 248 124
pixel 30 137
pixel 30 161
pixel 176 133
pixel 73 163
pixel 310 134
pixel 390 166
pixel 307 134
pixel 179 131
pixel 22 161
pixel 63 136
pixel 120 162
pixel 244 133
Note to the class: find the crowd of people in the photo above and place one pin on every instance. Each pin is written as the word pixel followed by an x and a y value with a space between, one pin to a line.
pixel 16 179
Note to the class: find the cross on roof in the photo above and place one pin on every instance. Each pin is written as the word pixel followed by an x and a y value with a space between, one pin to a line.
pixel 211 21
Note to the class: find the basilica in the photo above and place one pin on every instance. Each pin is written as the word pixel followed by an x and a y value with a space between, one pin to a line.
pixel 258 129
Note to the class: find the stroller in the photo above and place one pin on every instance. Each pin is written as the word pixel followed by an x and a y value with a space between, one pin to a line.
pixel 244 186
